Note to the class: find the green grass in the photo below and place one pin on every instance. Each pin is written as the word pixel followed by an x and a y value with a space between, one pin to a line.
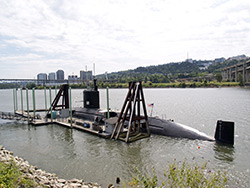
pixel 11 177
pixel 186 84
pixel 181 176
pixel 176 84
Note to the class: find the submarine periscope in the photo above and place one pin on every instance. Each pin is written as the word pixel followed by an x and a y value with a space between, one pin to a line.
pixel 224 132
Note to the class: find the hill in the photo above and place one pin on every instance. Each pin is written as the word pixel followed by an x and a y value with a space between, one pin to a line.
pixel 170 72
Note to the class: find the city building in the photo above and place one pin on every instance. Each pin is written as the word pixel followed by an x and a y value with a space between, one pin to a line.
pixel 238 57
pixel 41 78
pixel 219 60
pixel 86 75
pixel 52 76
pixel 72 78
pixel 60 75
pixel 189 60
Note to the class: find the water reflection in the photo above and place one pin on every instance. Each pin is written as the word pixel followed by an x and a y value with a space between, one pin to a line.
pixel 224 153
pixel 61 134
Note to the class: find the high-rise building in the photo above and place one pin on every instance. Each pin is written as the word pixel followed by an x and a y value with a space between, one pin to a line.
pixel 52 76
pixel 41 77
pixel 86 75
pixel 82 75
pixel 60 75
pixel 89 75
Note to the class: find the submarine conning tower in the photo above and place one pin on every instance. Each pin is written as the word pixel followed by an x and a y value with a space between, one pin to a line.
pixel 91 97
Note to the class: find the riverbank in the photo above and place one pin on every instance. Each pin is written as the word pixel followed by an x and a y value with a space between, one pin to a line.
pixel 37 177
pixel 176 84
pixel 184 84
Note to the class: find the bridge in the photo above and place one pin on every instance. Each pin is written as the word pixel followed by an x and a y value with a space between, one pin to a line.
pixel 23 82
pixel 232 73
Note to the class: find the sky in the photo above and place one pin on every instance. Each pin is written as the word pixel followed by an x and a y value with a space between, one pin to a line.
pixel 43 36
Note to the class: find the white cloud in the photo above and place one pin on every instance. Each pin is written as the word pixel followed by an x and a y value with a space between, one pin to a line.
pixel 118 35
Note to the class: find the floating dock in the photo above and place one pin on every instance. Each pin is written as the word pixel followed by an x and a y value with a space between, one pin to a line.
pixel 74 123
pixel 129 126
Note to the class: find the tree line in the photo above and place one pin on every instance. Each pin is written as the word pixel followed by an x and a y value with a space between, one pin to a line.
pixel 171 72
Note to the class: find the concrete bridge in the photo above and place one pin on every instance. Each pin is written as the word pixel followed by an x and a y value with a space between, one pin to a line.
pixel 23 82
pixel 232 73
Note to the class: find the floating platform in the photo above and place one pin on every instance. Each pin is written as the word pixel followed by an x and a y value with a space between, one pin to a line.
pixel 77 123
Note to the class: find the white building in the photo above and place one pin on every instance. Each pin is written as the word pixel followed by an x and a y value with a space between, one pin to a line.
pixel 72 77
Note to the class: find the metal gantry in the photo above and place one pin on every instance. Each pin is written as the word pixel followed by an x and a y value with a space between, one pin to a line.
pixel 131 125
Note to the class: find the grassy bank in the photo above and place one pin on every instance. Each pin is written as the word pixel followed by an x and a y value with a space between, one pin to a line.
pixel 204 84
pixel 177 176
pixel 10 176
pixel 17 172
pixel 182 175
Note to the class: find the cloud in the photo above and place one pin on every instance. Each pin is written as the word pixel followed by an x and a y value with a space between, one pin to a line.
pixel 117 35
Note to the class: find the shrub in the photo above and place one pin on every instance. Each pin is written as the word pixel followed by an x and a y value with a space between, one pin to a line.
pixel 182 175
pixel 10 176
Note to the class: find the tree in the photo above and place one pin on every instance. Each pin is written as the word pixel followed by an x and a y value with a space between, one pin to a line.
pixel 218 77
pixel 241 80
pixel 30 85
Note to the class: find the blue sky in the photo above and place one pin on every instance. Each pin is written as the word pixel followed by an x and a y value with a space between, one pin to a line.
pixel 44 36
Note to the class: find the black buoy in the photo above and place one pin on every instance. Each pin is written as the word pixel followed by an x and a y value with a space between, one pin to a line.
pixel 224 132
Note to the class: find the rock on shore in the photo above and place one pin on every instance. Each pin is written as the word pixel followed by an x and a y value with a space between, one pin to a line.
pixel 42 178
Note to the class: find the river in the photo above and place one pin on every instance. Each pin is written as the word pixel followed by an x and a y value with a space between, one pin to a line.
pixel 75 154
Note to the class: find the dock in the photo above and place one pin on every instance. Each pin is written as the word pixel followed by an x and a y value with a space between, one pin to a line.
pixel 76 123
pixel 129 126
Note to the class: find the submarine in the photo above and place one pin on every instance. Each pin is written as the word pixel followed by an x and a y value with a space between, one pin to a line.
pixel 224 132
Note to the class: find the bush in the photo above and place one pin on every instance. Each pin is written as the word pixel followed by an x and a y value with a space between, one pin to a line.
pixel 10 176
pixel 183 175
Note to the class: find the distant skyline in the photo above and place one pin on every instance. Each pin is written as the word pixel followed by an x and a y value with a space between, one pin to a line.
pixel 45 36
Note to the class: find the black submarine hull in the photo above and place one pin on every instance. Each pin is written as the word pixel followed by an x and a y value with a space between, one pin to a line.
pixel 173 129
pixel 156 125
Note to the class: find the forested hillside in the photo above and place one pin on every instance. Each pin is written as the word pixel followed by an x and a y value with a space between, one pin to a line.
pixel 166 73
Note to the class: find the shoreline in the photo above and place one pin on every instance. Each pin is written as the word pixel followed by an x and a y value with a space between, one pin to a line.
pixel 41 177
pixel 177 84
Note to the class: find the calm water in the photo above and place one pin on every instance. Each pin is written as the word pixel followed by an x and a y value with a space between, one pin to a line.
pixel 75 154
